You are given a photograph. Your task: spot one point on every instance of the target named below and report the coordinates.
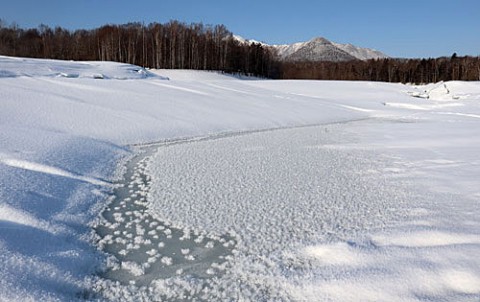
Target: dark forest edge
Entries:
(176, 45)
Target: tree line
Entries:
(418, 71)
(176, 45)
(172, 45)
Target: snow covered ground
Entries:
(365, 191)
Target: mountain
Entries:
(320, 49)
(317, 49)
(361, 53)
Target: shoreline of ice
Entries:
(142, 251)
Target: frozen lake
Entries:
(228, 215)
(293, 214)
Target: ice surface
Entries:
(143, 249)
(378, 196)
(277, 194)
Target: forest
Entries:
(173, 45)
(177, 45)
(418, 71)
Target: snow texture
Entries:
(302, 190)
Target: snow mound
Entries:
(26, 67)
(442, 91)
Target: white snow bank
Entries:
(26, 67)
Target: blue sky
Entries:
(403, 28)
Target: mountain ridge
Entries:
(319, 49)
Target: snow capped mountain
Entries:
(248, 41)
(361, 53)
(319, 49)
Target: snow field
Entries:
(383, 202)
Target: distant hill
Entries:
(320, 49)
